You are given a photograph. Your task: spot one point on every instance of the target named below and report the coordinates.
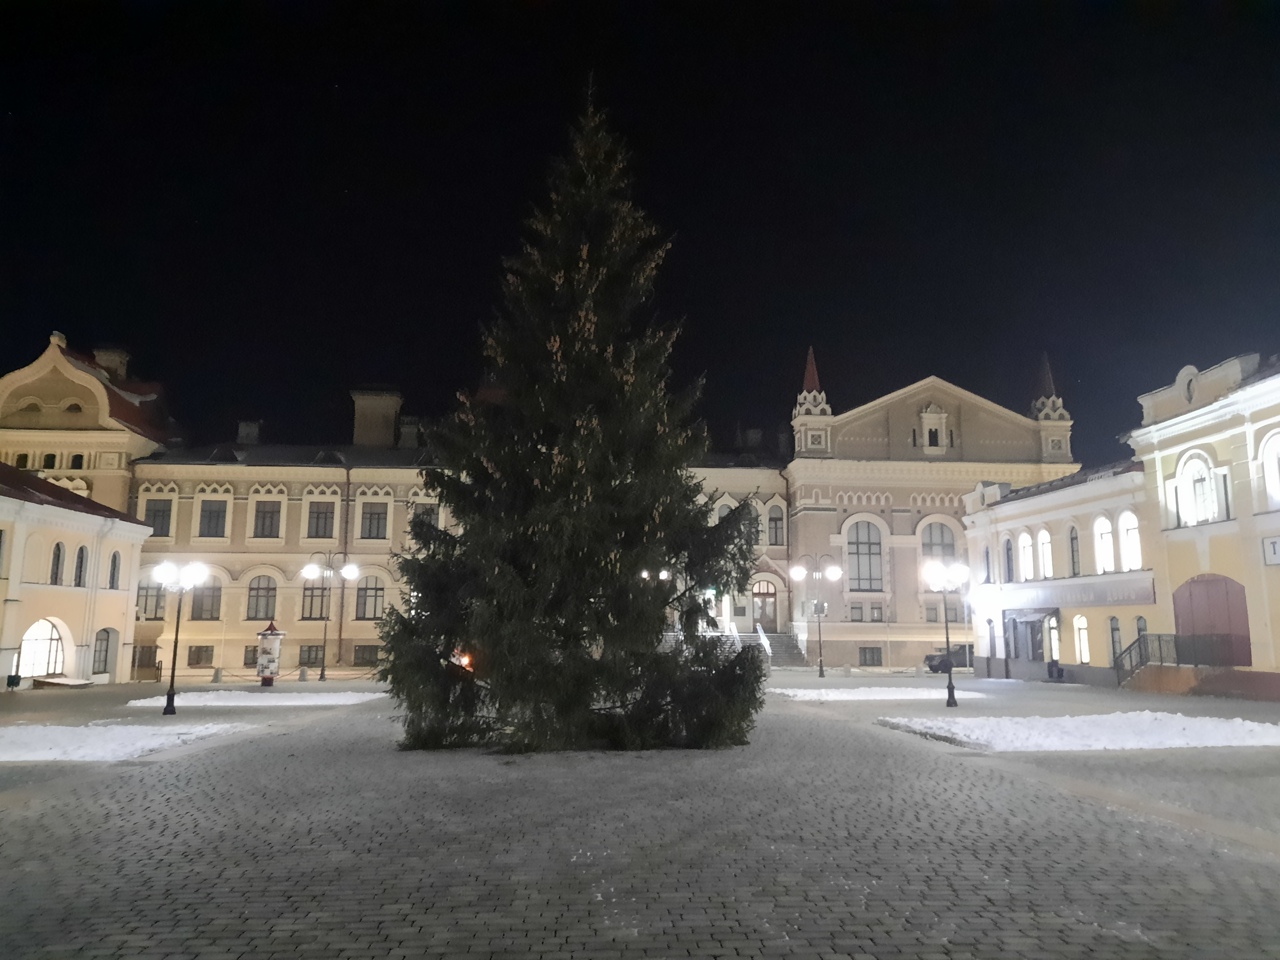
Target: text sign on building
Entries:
(1271, 551)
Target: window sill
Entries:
(271, 540)
(198, 539)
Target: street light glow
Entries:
(350, 571)
(311, 571)
(798, 572)
(832, 573)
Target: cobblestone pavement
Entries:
(828, 837)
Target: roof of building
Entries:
(30, 487)
(811, 374)
(1072, 480)
(293, 455)
(137, 404)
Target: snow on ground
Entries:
(26, 743)
(249, 698)
(873, 693)
(1143, 730)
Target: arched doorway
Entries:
(764, 606)
(41, 653)
(1213, 605)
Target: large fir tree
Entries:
(576, 578)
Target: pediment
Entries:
(930, 395)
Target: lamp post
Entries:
(945, 578)
(327, 564)
(809, 568)
(180, 579)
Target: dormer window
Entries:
(933, 428)
(933, 437)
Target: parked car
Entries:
(961, 656)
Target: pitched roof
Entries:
(137, 404)
(29, 487)
(294, 455)
(1072, 479)
(811, 374)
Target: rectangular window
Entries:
(366, 655)
(151, 601)
(855, 612)
(373, 521)
(144, 657)
(158, 515)
(877, 613)
(320, 520)
(251, 655)
(311, 655)
(206, 602)
(953, 611)
(739, 607)
(315, 603)
(866, 561)
(427, 511)
(101, 646)
(199, 656)
(931, 613)
(869, 657)
(213, 518)
(266, 519)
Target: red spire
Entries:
(811, 374)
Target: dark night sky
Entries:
(270, 203)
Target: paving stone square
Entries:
(312, 835)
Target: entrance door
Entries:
(1213, 604)
(764, 606)
(144, 664)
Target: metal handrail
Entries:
(1184, 650)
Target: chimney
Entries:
(248, 431)
(376, 413)
(410, 435)
(113, 360)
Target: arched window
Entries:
(1055, 638)
(1044, 546)
(1082, 639)
(77, 461)
(1141, 624)
(1073, 542)
(50, 461)
(753, 524)
(1269, 455)
(938, 541)
(1197, 496)
(206, 601)
(41, 652)
(1026, 557)
(113, 572)
(82, 561)
(866, 562)
(369, 599)
(986, 564)
(1008, 561)
(722, 512)
(1104, 548)
(262, 599)
(775, 526)
(1130, 544)
(1116, 644)
(55, 565)
(101, 650)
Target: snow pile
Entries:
(250, 698)
(1143, 730)
(25, 744)
(873, 693)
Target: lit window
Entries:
(1197, 497)
(1082, 639)
(1104, 548)
(1130, 544)
(1045, 546)
(1270, 458)
(1026, 557)
(1055, 639)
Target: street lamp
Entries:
(945, 578)
(180, 579)
(325, 564)
(807, 568)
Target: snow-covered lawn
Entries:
(26, 743)
(1143, 730)
(873, 693)
(249, 698)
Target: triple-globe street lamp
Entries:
(945, 578)
(180, 580)
(808, 567)
(328, 565)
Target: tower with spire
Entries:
(811, 418)
(1052, 416)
